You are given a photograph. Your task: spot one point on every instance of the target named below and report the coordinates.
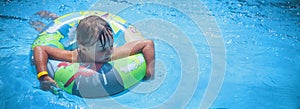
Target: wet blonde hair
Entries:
(92, 30)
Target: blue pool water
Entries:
(209, 54)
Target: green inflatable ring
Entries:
(78, 79)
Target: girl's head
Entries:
(95, 39)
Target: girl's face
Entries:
(104, 55)
(97, 53)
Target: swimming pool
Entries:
(210, 54)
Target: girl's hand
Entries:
(46, 82)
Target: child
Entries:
(95, 47)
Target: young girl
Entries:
(95, 47)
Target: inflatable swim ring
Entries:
(77, 78)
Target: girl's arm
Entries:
(42, 53)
